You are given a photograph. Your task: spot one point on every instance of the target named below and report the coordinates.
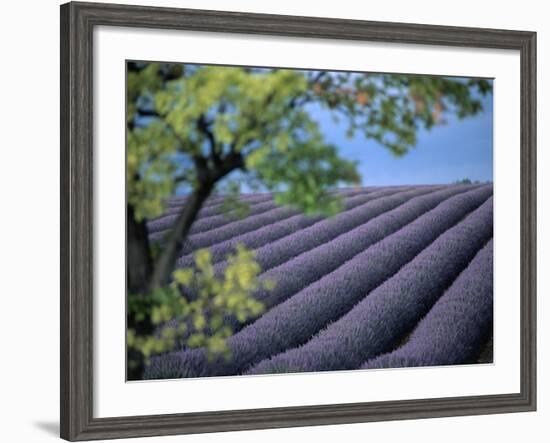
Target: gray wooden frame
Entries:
(77, 23)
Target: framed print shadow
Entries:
(272, 221)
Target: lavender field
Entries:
(403, 276)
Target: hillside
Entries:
(401, 277)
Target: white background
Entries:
(113, 397)
(30, 221)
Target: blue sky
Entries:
(459, 149)
(454, 151)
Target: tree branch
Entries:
(296, 102)
(204, 127)
(207, 178)
(147, 112)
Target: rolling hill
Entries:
(401, 277)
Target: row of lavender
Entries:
(351, 289)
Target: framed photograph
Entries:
(272, 221)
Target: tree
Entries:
(213, 298)
(196, 126)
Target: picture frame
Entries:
(78, 21)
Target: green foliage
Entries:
(150, 150)
(242, 106)
(233, 206)
(201, 316)
(466, 181)
(211, 111)
(150, 169)
(251, 113)
(390, 108)
(303, 175)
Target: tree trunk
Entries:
(143, 276)
(167, 260)
(144, 279)
(139, 265)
